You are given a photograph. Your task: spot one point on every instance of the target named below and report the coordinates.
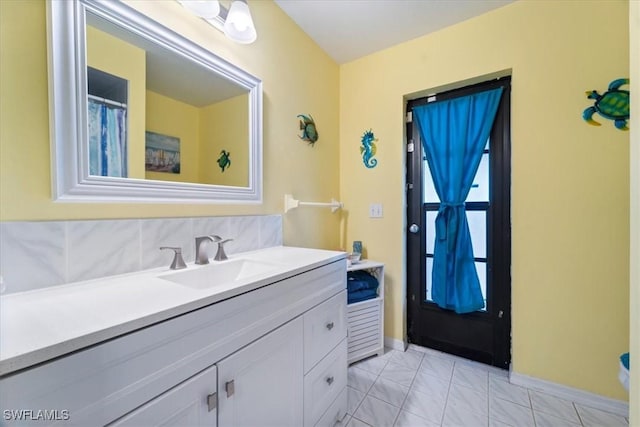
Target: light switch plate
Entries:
(375, 210)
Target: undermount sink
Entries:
(218, 274)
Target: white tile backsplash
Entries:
(245, 232)
(270, 231)
(102, 248)
(216, 225)
(173, 232)
(32, 255)
(36, 255)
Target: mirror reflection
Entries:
(153, 115)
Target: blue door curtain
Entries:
(454, 133)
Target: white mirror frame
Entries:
(71, 181)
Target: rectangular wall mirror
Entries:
(140, 113)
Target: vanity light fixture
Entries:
(235, 22)
(206, 9)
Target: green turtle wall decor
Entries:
(224, 161)
(612, 105)
(308, 128)
(368, 149)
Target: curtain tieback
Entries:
(447, 223)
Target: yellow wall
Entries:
(291, 86)
(113, 56)
(174, 118)
(224, 127)
(634, 300)
(570, 181)
(203, 132)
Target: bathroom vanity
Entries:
(257, 340)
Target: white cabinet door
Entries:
(186, 404)
(262, 384)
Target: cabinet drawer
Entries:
(335, 415)
(324, 383)
(324, 327)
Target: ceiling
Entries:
(350, 29)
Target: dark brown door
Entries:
(483, 335)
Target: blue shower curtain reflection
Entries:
(107, 140)
(454, 133)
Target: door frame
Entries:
(498, 269)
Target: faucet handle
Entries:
(178, 261)
(220, 254)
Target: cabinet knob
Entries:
(329, 380)
(330, 326)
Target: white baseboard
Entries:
(569, 393)
(395, 343)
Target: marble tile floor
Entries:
(425, 388)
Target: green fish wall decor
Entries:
(224, 161)
(612, 105)
(368, 149)
(308, 128)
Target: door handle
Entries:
(212, 402)
(230, 388)
(413, 228)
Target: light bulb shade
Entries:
(239, 25)
(207, 9)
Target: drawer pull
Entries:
(230, 388)
(330, 326)
(212, 402)
(329, 380)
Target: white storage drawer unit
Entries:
(365, 319)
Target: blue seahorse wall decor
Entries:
(612, 105)
(368, 149)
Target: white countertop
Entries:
(363, 264)
(39, 325)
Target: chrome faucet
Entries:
(201, 252)
(220, 254)
(178, 261)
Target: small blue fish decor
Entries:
(368, 149)
(612, 105)
(308, 128)
(224, 161)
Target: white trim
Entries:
(576, 395)
(395, 344)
